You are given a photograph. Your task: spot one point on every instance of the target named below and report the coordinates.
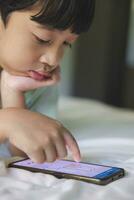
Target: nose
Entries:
(49, 68)
(50, 59)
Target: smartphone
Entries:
(92, 173)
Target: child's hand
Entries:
(40, 137)
(23, 83)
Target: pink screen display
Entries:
(64, 166)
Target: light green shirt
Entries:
(43, 100)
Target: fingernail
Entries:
(77, 159)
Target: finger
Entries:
(29, 83)
(38, 156)
(50, 152)
(72, 145)
(55, 78)
(48, 82)
(60, 148)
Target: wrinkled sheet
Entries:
(105, 135)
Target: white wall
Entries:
(67, 72)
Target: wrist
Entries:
(7, 83)
(10, 96)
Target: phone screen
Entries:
(71, 167)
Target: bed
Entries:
(105, 135)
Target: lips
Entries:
(38, 75)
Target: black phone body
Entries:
(89, 172)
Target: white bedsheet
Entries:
(105, 135)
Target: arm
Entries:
(40, 137)
(12, 95)
(11, 98)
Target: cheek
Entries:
(61, 54)
(18, 55)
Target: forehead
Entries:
(50, 30)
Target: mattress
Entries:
(105, 135)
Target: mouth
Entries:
(39, 76)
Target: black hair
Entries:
(58, 14)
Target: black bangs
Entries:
(58, 14)
(64, 14)
(9, 6)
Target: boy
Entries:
(33, 38)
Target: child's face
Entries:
(20, 50)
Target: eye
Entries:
(68, 44)
(41, 41)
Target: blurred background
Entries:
(100, 65)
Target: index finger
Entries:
(72, 145)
